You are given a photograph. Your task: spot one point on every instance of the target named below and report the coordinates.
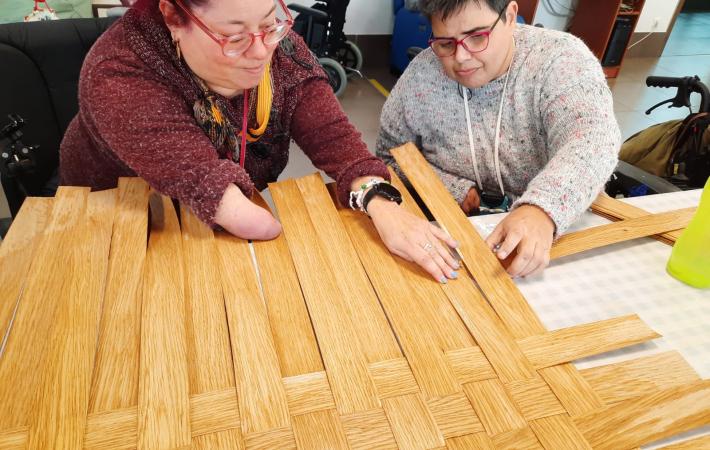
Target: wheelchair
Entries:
(321, 27)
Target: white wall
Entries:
(656, 9)
(653, 9)
(364, 16)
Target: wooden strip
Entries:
(534, 398)
(572, 343)
(210, 366)
(624, 230)
(476, 441)
(470, 364)
(497, 285)
(641, 376)
(262, 398)
(16, 252)
(454, 415)
(393, 378)
(295, 342)
(573, 390)
(115, 378)
(215, 411)
(369, 430)
(59, 418)
(116, 429)
(163, 395)
(647, 419)
(494, 407)
(14, 439)
(221, 439)
(415, 331)
(558, 431)
(614, 209)
(449, 330)
(319, 429)
(493, 337)
(519, 439)
(412, 424)
(378, 341)
(701, 443)
(26, 352)
(341, 349)
(209, 362)
(307, 393)
(280, 438)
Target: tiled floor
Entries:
(687, 53)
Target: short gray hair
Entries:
(447, 8)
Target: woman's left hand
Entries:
(414, 239)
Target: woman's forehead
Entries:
(238, 12)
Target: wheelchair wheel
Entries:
(336, 75)
(350, 57)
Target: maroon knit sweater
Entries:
(135, 119)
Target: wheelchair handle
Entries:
(685, 86)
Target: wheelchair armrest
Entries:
(412, 52)
(654, 182)
(317, 14)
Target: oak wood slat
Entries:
(308, 393)
(16, 252)
(263, 407)
(46, 288)
(624, 230)
(485, 267)
(294, 338)
(369, 430)
(210, 366)
(572, 389)
(475, 441)
(558, 431)
(518, 439)
(640, 376)
(378, 341)
(59, 418)
(320, 430)
(454, 415)
(534, 398)
(412, 424)
(701, 443)
(614, 209)
(646, 419)
(416, 333)
(568, 344)
(163, 391)
(115, 379)
(341, 348)
(494, 407)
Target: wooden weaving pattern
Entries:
(176, 336)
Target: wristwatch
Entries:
(384, 190)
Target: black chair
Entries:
(40, 64)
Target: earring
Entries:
(177, 48)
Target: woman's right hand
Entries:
(244, 219)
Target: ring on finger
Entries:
(496, 247)
(427, 246)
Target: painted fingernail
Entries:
(454, 275)
(456, 244)
(502, 255)
(443, 280)
(456, 266)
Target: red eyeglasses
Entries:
(473, 42)
(237, 44)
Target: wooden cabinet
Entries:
(527, 9)
(595, 22)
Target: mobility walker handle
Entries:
(685, 86)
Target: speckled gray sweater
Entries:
(559, 137)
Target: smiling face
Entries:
(226, 75)
(474, 70)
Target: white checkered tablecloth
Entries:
(625, 278)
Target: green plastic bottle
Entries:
(690, 258)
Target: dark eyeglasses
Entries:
(237, 44)
(473, 42)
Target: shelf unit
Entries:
(527, 9)
(594, 22)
